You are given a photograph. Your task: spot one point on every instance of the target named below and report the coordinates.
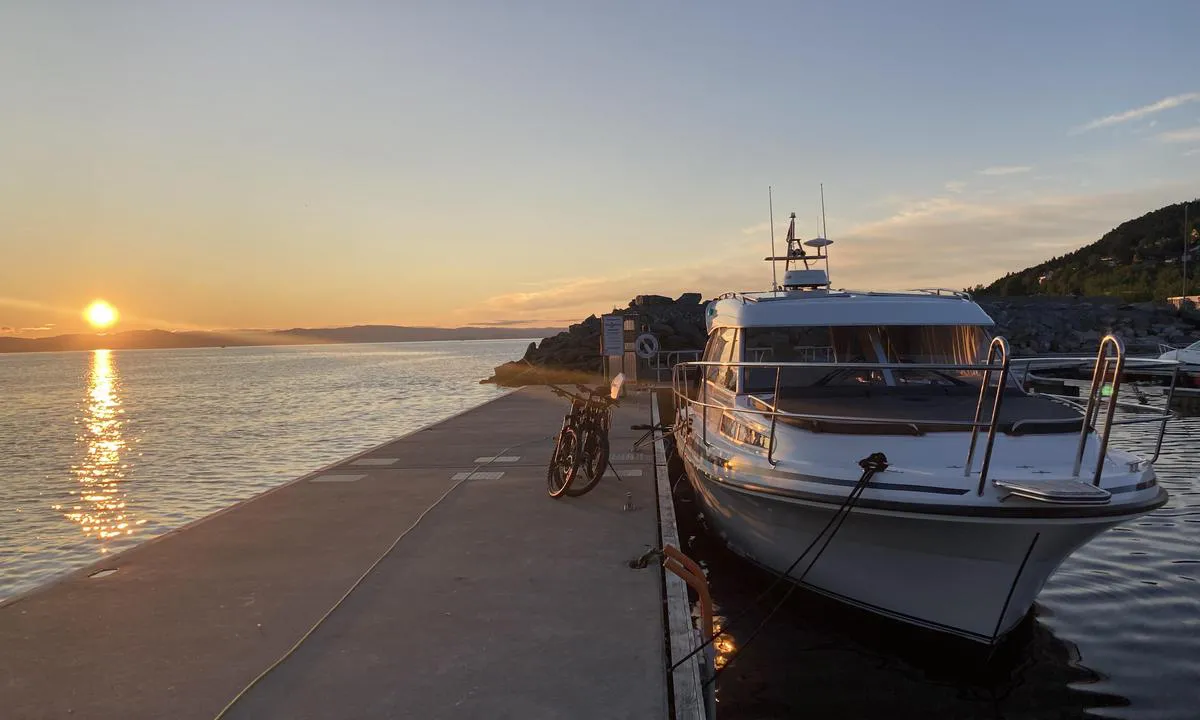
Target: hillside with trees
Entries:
(1139, 260)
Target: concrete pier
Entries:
(496, 601)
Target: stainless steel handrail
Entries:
(683, 369)
(1161, 418)
(1104, 363)
(1099, 375)
(665, 360)
(1162, 429)
(1000, 344)
(842, 365)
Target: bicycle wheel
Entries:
(564, 463)
(593, 463)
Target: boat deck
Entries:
(499, 602)
(921, 410)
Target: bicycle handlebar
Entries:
(593, 396)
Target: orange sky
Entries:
(218, 166)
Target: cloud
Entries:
(956, 186)
(1193, 151)
(764, 227)
(951, 241)
(1184, 135)
(1006, 170)
(1165, 104)
(502, 323)
(6, 329)
(40, 328)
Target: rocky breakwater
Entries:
(574, 355)
(1033, 325)
(1043, 324)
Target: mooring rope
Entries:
(873, 463)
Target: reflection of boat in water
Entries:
(985, 491)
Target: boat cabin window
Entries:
(723, 347)
(825, 346)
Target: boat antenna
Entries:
(771, 211)
(824, 231)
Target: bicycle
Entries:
(583, 440)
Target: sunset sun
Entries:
(100, 315)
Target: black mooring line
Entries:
(1013, 587)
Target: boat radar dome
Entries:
(805, 279)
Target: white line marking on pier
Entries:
(498, 458)
(477, 475)
(376, 461)
(631, 472)
(337, 478)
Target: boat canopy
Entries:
(845, 309)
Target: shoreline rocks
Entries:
(1033, 325)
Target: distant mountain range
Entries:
(147, 339)
(1140, 259)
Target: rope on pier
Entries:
(283, 658)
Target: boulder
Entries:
(644, 300)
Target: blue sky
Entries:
(277, 164)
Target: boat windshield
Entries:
(916, 344)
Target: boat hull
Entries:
(970, 576)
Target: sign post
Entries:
(612, 342)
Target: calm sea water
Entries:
(102, 450)
(1116, 631)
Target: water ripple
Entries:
(102, 450)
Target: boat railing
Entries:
(1109, 367)
(663, 361)
(744, 296)
(1109, 362)
(944, 292)
(997, 350)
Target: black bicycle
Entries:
(582, 442)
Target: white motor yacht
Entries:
(983, 489)
(1189, 355)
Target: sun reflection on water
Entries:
(98, 504)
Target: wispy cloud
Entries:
(1184, 135)
(504, 323)
(1193, 151)
(40, 328)
(948, 241)
(1006, 170)
(6, 329)
(963, 242)
(1140, 112)
(764, 227)
(956, 186)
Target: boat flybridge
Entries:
(960, 493)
